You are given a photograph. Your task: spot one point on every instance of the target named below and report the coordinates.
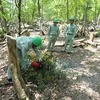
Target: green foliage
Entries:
(47, 73)
(97, 34)
(1, 33)
(50, 9)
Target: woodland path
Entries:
(82, 68)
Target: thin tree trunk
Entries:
(42, 10)
(33, 10)
(76, 8)
(85, 18)
(18, 5)
(67, 4)
(3, 19)
(95, 13)
(39, 15)
(19, 15)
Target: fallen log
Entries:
(25, 32)
(82, 42)
(78, 45)
(79, 40)
(90, 43)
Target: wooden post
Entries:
(22, 91)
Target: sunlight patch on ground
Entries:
(90, 48)
(74, 73)
(84, 87)
(95, 59)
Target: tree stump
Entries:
(22, 91)
(91, 36)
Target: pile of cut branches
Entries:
(45, 74)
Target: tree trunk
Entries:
(19, 15)
(95, 13)
(3, 19)
(22, 91)
(76, 9)
(42, 10)
(33, 14)
(85, 18)
(67, 4)
(39, 15)
(18, 5)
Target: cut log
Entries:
(79, 40)
(25, 32)
(78, 45)
(90, 43)
(22, 91)
(82, 42)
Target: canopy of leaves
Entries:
(51, 9)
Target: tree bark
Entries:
(22, 91)
(42, 10)
(39, 15)
(76, 10)
(67, 4)
(18, 5)
(3, 19)
(85, 17)
(95, 13)
(33, 14)
(19, 15)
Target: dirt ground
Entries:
(82, 69)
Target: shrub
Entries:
(47, 73)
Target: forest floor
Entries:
(82, 69)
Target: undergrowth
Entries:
(46, 74)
